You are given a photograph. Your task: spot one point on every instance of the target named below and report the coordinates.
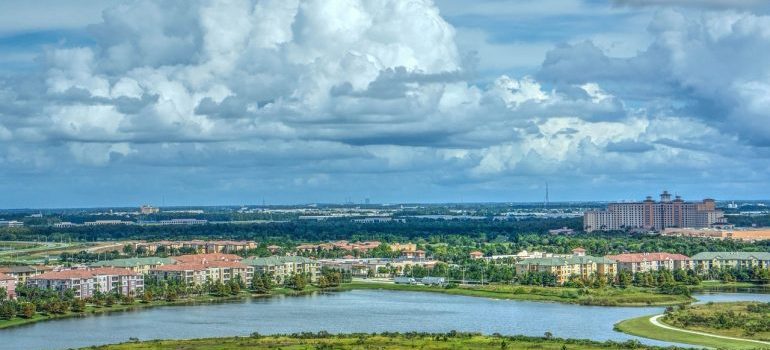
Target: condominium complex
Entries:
(282, 267)
(21, 273)
(583, 266)
(706, 261)
(645, 262)
(652, 215)
(199, 268)
(197, 246)
(85, 282)
(138, 265)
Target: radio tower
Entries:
(545, 204)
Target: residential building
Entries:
(651, 215)
(723, 232)
(198, 246)
(476, 254)
(344, 245)
(21, 273)
(107, 222)
(8, 283)
(138, 265)
(397, 247)
(645, 262)
(582, 266)
(413, 254)
(85, 282)
(148, 209)
(283, 267)
(11, 223)
(377, 267)
(706, 261)
(206, 258)
(188, 273)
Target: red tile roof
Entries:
(206, 258)
(181, 267)
(640, 257)
(4, 277)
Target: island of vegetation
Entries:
(389, 341)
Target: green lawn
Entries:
(641, 326)
(735, 319)
(363, 341)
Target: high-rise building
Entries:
(651, 215)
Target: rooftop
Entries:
(134, 262)
(558, 261)
(732, 255)
(276, 260)
(639, 257)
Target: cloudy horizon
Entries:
(214, 102)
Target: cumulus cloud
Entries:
(327, 96)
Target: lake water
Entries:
(346, 312)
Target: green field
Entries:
(365, 341)
(641, 326)
(605, 297)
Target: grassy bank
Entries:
(604, 297)
(641, 326)
(382, 341)
(726, 286)
(750, 320)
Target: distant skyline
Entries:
(118, 103)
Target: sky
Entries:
(211, 102)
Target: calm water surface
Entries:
(354, 311)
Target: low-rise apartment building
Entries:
(8, 283)
(85, 282)
(378, 267)
(21, 273)
(706, 261)
(582, 266)
(138, 265)
(644, 262)
(189, 274)
(198, 246)
(199, 268)
(282, 267)
(206, 258)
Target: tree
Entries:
(297, 281)
(7, 310)
(3, 294)
(27, 310)
(78, 305)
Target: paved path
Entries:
(656, 321)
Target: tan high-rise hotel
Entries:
(651, 215)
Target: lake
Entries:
(345, 312)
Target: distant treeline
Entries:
(300, 230)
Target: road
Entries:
(656, 321)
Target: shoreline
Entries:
(504, 292)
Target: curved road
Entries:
(655, 320)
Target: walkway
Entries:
(655, 320)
